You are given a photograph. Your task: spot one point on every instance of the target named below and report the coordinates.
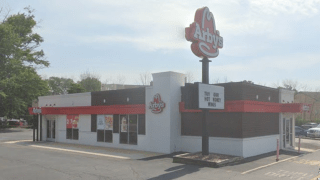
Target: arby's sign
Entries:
(206, 40)
(157, 104)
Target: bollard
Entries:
(299, 144)
(277, 150)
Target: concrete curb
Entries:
(181, 159)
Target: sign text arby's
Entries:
(157, 104)
(206, 40)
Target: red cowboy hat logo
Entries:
(157, 104)
(206, 40)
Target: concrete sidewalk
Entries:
(86, 149)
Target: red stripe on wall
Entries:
(230, 106)
(114, 109)
(253, 106)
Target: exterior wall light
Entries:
(257, 96)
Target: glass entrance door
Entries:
(287, 132)
(51, 130)
(128, 129)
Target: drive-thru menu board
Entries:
(211, 96)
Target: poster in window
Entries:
(109, 122)
(69, 121)
(124, 125)
(75, 121)
(72, 121)
(100, 122)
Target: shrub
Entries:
(300, 121)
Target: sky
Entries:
(265, 42)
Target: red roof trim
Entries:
(113, 109)
(253, 106)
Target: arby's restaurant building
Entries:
(155, 118)
(243, 119)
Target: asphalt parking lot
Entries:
(22, 158)
(309, 143)
(14, 134)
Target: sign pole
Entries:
(38, 117)
(205, 80)
(34, 128)
(206, 42)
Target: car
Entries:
(299, 131)
(13, 122)
(309, 125)
(314, 132)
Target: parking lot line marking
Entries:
(82, 152)
(316, 178)
(260, 167)
(13, 142)
(305, 149)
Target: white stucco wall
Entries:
(233, 146)
(259, 145)
(286, 96)
(67, 100)
(177, 80)
(163, 130)
(87, 137)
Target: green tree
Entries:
(59, 85)
(90, 82)
(19, 58)
(75, 88)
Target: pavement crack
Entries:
(134, 172)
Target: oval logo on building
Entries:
(206, 40)
(157, 104)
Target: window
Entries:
(141, 124)
(72, 127)
(108, 136)
(93, 123)
(75, 134)
(128, 129)
(104, 128)
(100, 135)
(116, 123)
(123, 129)
(69, 133)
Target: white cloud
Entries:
(292, 62)
(160, 25)
(300, 66)
(276, 7)
(150, 43)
